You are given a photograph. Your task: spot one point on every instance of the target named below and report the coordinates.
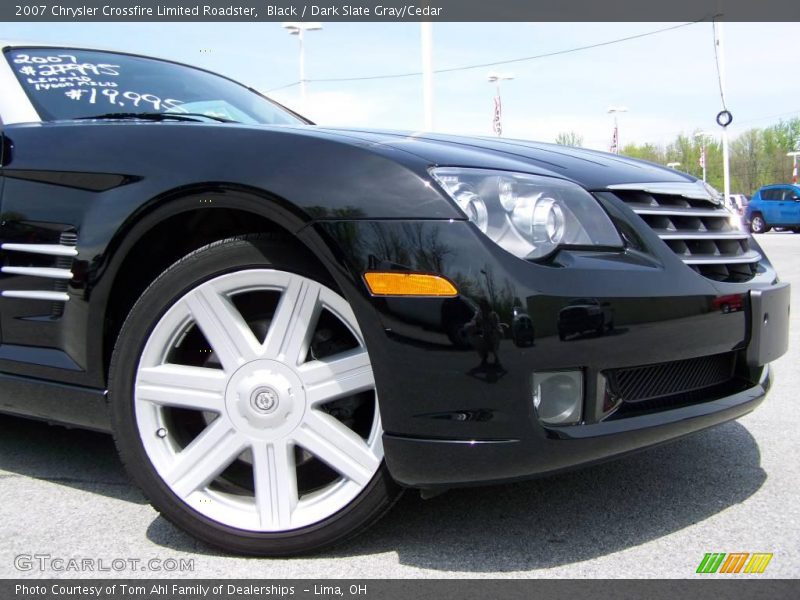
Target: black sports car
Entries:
(269, 315)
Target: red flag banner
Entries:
(614, 149)
(497, 124)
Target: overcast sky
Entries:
(668, 81)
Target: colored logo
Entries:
(735, 562)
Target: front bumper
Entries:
(432, 463)
(451, 419)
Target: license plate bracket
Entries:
(769, 324)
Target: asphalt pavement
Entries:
(734, 488)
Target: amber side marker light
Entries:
(408, 284)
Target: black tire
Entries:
(226, 256)
(758, 224)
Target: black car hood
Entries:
(592, 169)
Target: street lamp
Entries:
(426, 38)
(614, 110)
(673, 165)
(299, 29)
(496, 78)
(703, 136)
(794, 154)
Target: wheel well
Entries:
(165, 243)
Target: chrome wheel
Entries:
(255, 402)
(758, 225)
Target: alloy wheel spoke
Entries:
(294, 321)
(227, 394)
(182, 386)
(337, 376)
(337, 445)
(275, 481)
(206, 457)
(223, 326)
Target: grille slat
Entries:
(696, 228)
(700, 234)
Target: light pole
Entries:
(673, 165)
(703, 136)
(794, 154)
(299, 29)
(426, 37)
(496, 78)
(615, 110)
(726, 157)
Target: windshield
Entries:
(73, 84)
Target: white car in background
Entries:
(738, 202)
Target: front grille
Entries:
(667, 385)
(636, 384)
(697, 229)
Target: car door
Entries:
(783, 204)
(770, 207)
(790, 206)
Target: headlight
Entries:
(528, 215)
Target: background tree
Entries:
(758, 156)
(569, 138)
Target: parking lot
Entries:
(63, 493)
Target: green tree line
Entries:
(758, 156)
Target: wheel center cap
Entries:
(264, 400)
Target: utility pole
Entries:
(724, 118)
(426, 35)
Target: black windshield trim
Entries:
(156, 116)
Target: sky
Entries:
(667, 81)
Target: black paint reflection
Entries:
(584, 315)
(522, 330)
(484, 332)
(728, 304)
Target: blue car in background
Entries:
(774, 206)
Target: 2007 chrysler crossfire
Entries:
(284, 325)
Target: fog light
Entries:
(558, 397)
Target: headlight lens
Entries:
(528, 215)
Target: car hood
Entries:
(592, 169)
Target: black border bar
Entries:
(399, 10)
(730, 588)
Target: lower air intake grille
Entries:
(664, 385)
